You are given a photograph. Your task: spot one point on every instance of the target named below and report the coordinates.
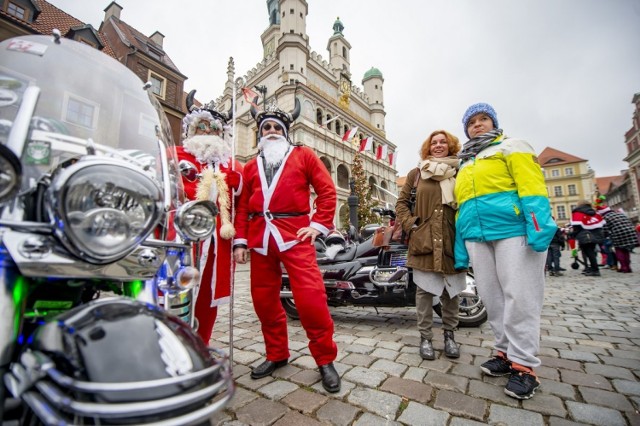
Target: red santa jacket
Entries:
(216, 256)
(289, 193)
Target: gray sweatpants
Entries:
(510, 280)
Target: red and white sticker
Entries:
(25, 46)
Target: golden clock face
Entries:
(345, 87)
(269, 47)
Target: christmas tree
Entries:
(364, 193)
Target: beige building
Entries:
(332, 103)
(569, 179)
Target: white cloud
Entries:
(559, 73)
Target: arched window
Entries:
(326, 163)
(327, 121)
(344, 52)
(345, 129)
(372, 185)
(338, 127)
(343, 216)
(319, 116)
(383, 195)
(343, 176)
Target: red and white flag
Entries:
(393, 157)
(249, 96)
(350, 134)
(381, 152)
(366, 144)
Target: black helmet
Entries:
(119, 361)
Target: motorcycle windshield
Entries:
(70, 100)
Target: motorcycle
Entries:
(90, 202)
(356, 273)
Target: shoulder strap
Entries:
(415, 181)
(414, 189)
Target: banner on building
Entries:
(381, 152)
(350, 134)
(366, 144)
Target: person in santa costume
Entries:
(275, 221)
(209, 172)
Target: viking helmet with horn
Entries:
(272, 112)
(207, 112)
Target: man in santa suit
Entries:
(274, 220)
(210, 173)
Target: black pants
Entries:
(589, 253)
(553, 258)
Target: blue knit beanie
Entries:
(477, 109)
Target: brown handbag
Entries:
(385, 235)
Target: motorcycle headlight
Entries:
(195, 220)
(103, 209)
(10, 173)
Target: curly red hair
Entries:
(452, 142)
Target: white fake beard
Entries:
(274, 148)
(209, 148)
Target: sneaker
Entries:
(561, 269)
(522, 384)
(497, 366)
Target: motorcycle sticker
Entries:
(25, 46)
(38, 153)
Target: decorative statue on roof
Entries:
(337, 27)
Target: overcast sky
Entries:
(560, 73)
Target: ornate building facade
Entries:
(569, 179)
(332, 104)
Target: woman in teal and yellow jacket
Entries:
(504, 226)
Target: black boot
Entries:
(330, 378)
(451, 349)
(266, 368)
(426, 350)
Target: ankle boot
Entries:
(451, 349)
(426, 350)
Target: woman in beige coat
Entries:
(432, 234)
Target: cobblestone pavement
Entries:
(590, 369)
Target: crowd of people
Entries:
(482, 205)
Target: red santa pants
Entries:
(205, 314)
(308, 292)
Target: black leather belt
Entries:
(270, 215)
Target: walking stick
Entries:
(233, 213)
